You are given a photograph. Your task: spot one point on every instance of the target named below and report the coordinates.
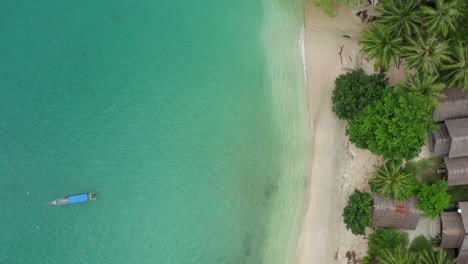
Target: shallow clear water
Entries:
(188, 119)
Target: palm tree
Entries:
(399, 255)
(401, 17)
(425, 54)
(443, 18)
(433, 257)
(425, 85)
(457, 67)
(391, 181)
(381, 45)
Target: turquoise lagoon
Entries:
(188, 118)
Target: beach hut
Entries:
(455, 105)
(439, 140)
(458, 131)
(452, 230)
(454, 235)
(456, 170)
(398, 214)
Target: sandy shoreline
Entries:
(337, 166)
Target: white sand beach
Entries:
(337, 166)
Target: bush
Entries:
(383, 239)
(356, 90)
(433, 199)
(420, 244)
(357, 214)
(394, 127)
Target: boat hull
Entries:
(78, 198)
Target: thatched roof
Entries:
(439, 140)
(398, 214)
(455, 105)
(458, 130)
(457, 171)
(453, 231)
(463, 252)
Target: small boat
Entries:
(77, 198)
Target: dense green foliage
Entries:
(430, 35)
(381, 46)
(385, 239)
(425, 85)
(420, 244)
(402, 17)
(394, 127)
(356, 90)
(435, 257)
(433, 199)
(391, 181)
(357, 214)
(399, 255)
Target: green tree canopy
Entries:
(456, 67)
(356, 90)
(391, 181)
(400, 17)
(386, 239)
(329, 6)
(425, 53)
(394, 127)
(442, 19)
(399, 255)
(435, 257)
(433, 199)
(357, 214)
(425, 85)
(381, 45)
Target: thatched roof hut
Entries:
(458, 131)
(455, 105)
(439, 140)
(457, 170)
(398, 214)
(453, 232)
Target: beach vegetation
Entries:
(355, 90)
(439, 257)
(433, 199)
(357, 214)
(456, 67)
(425, 85)
(399, 255)
(426, 53)
(391, 181)
(381, 45)
(385, 239)
(401, 17)
(420, 244)
(443, 18)
(394, 127)
(458, 193)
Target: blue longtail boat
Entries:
(77, 198)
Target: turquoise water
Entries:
(188, 119)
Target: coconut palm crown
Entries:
(391, 181)
(425, 85)
(381, 46)
(443, 18)
(401, 17)
(456, 67)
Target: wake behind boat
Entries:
(78, 198)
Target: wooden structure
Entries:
(439, 140)
(398, 214)
(454, 234)
(454, 106)
(458, 131)
(457, 171)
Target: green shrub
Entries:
(357, 214)
(419, 244)
(388, 238)
(356, 90)
(433, 199)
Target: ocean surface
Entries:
(188, 118)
